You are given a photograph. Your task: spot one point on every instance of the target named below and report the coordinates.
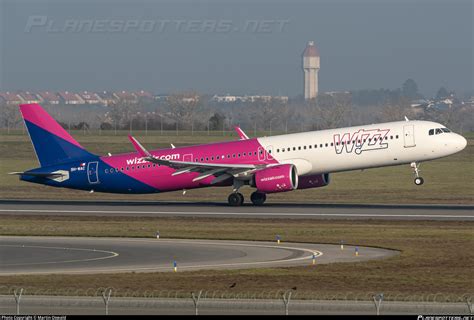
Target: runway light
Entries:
(342, 244)
(157, 234)
(175, 266)
(278, 239)
(356, 251)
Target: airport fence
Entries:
(109, 300)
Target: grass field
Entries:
(435, 258)
(447, 180)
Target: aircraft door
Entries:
(269, 152)
(261, 154)
(188, 157)
(92, 172)
(409, 136)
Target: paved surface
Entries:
(39, 255)
(282, 210)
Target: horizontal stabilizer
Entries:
(39, 174)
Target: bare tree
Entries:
(121, 113)
(327, 111)
(182, 107)
(396, 111)
(9, 116)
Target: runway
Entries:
(278, 210)
(79, 255)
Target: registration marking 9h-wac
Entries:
(361, 140)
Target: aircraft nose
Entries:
(462, 142)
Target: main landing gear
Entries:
(418, 180)
(258, 198)
(236, 199)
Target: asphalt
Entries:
(79, 255)
(272, 210)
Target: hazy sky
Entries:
(230, 46)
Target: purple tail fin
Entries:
(52, 144)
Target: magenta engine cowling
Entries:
(313, 181)
(276, 179)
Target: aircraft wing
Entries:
(223, 171)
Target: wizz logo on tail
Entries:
(361, 140)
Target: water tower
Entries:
(311, 69)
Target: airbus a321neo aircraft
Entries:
(270, 164)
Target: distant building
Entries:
(11, 98)
(142, 94)
(107, 98)
(225, 98)
(160, 97)
(310, 69)
(90, 97)
(49, 97)
(254, 98)
(67, 97)
(126, 96)
(29, 97)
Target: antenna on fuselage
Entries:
(172, 146)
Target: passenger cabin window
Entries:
(431, 132)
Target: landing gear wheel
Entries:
(258, 198)
(419, 181)
(235, 199)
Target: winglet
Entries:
(406, 118)
(140, 149)
(241, 133)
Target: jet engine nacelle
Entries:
(279, 178)
(313, 181)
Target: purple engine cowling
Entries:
(313, 181)
(276, 179)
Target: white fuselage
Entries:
(369, 146)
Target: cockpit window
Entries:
(438, 131)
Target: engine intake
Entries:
(313, 181)
(279, 178)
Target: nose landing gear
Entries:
(418, 180)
